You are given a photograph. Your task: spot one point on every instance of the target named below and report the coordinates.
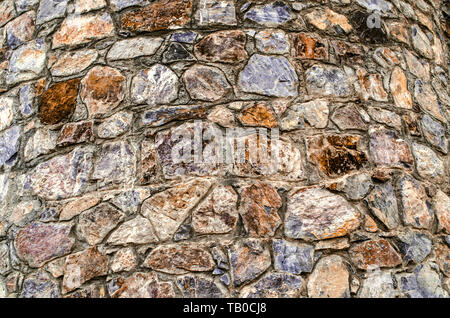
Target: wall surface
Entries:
(220, 148)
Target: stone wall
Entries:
(353, 94)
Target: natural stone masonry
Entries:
(139, 143)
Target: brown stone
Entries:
(7, 11)
(336, 155)
(259, 114)
(442, 205)
(330, 278)
(398, 32)
(179, 259)
(159, 15)
(123, 260)
(102, 89)
(371, 86)
(348, 117)
(222, 46)
(75, 207)
(259, 210)
(348, 52)
(58, 102)
(374, 254)
(71, 63)
(205, 83)
(310, 46)
(329, 21)
(387, 149)
(149, 168)
(399, 89)
(144, 285)
(415, 204)
(75, 133)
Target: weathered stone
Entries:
(94, 224)
(416, 208)
(292, 257)
(136, 231)
(83, 266)
(357, 186)
(269, 75)
(348, 117)
(130, 200)
(176, 52)
(7, 11)
(198, 287)
(20, 30)
(76, 206)
(327, 81)
(371, 86)
(159, 15)
(441, 203)
(82, 6)
(386, 57)
(222, 46)
(443, 258)
(329, 21)
(6, 112)
(27, 94)
(102, 89)
(340, 243)
(305, 217)
(421, 42)
(420, 68)
(180, 258)
(206, 83)
(156, 85)
(374, 254)
(9, 144)
(80, 29)
(434, 132)
(71, 63)
(58, 102)
(184, 37)
(336, 155)
(271, 14)
(75, 133)
(383, 204)
(398, 32)
(123, 260)
(386, 117)
(115, 125)
(216, 12)
(377, 284)
(259, 114)
(23, 212)
(309, 46)
(24, 5)
(427, 99)
(116, 164)
(249, 258)
(90, 291)
(272, 42)
(27, 62)
(382, 7)
(387, 149)
(424, 282)
(168, 209)
(274, 285)
(222, 116)
(50, 10)
(163, 115)
(39, 243)
(414, 246)
(144, 285)
(315, 113)
(5, 267)
(39, 285)
(217, 213)
(259, 210)
(330, 279)
(135, 47)
(399, 89)
(428, 164)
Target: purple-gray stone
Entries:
(9, 143)
(271, 14)
(293, 258)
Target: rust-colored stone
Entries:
(160, 15)
(222, 46)
(74, 133)
(309, 46)
(259, 114)
(58, 102)
(348, 52)
(374, 254)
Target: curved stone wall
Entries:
(220, 148)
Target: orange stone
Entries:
(309, 46)
(58, 102)
(259, 114)
(399, 89)
(375, 253)
(160, 15)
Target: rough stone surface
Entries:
(441, 203)
(132, 48)
(292, 258)
(428, 164)
(222, 46)
(136, 231)
(271, 14)
(274, 285)
(314, 113)
(327, 81)
(387, 149)
(206, 83)
(374, 254)
(144, 285)
(72, 63)
(383, 204)
(39, 285)
(330, 279)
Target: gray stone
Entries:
(293, 258)
(216, 12)
(206, 83)
(115, 125)
(25, 5)
(428, 163)
(39, 285)
(269, 75)
(9, 144)
(51, 9)
(315, 113)
(42, 142)
(382, 7)
(26, 98)
(177, 52)
(274, 285)
(421, 42)
(383, 204)
(328, 81)
(424, 282)
(184, 37)
(357, 186)
(135, 231)
(6, 112)
(118, 5)
(378, 284)
(271, 14)
(135, 47)
(5, 266)
(272, 42)
(434, 132)
(27, 62)
(427, 99)
(414, 246)
(198, 287)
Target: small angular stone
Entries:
(198, 287)
(309, 46)
(305, 219)
(222, 116)
(383, 204)
(123, 260)
(135, 47)
(76, 206)
(58, 102)
(348, 52)
(434, 132)
(386, 57)
(5, 267)
(371, 86)
(329, 21)
(20, 30)
(217, 213)
(184, 37)
(415, 205)
(315, 113)
(7, 11)
(441, 203)
(82, 6)
(378, 284)
(39, 243)
(9, 144)
(80, 29)
(205, 83)
(386, 117)
(292, 257)
(357, 186)
(387, 149)
(163, 115)
(330, 279)
(414, 246)
(50, 10)
(144, 285)
(155, 85)
(71, 63)
(130, 200)
(135, 231)
(259, 114)
(348, 117)
(428, 164)
(39, 285)
(274, 285)
(159, 15)
(177, 52)
(118, 5)
(398, 32)
(269, 75)
(222, 46)
(272, 42)
(115, 125)
(216, 12)
(374, 254)
(399, 89)
(271, 14)
(6, 112)
(421, 42)
(427, 99)
(420, 68)
(340, 243)
(27, 62)
(27, 95)
(75, 133)
(327, 81)
(249, 258)
(82, 267)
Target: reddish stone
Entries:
(75, 133)
(371, 86)
(259, 114)
(58, 102)
(310, 46)
(159, 15)
(144, 285)
(374, 253)
(259, 210)
(222, 46)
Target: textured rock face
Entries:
(224, 149)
